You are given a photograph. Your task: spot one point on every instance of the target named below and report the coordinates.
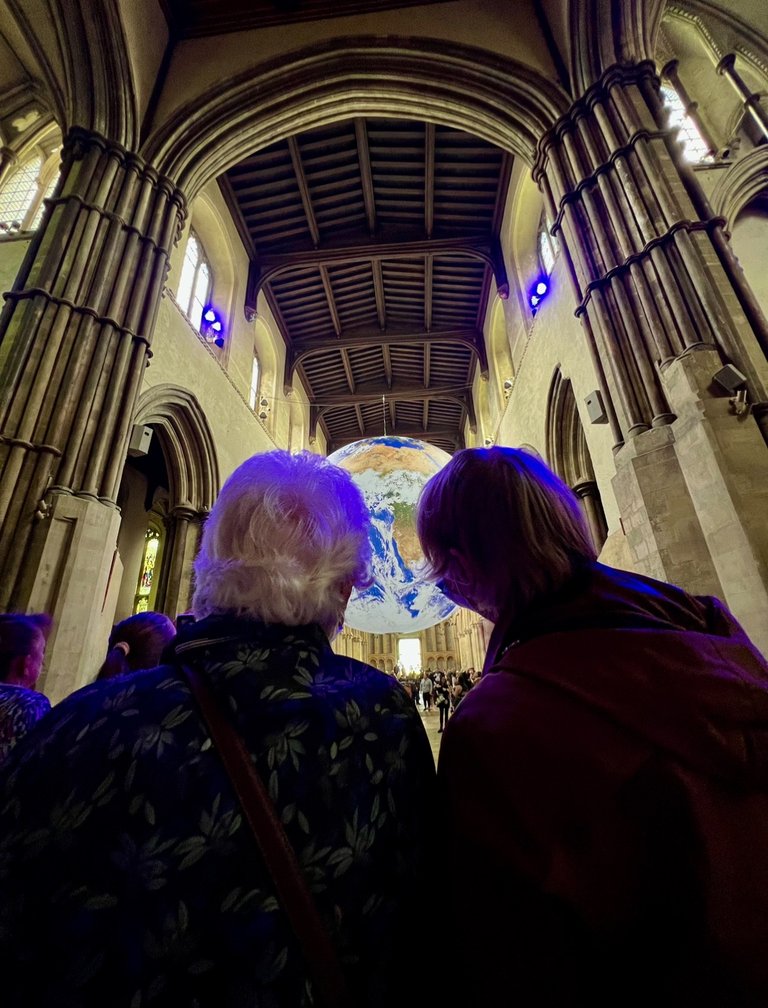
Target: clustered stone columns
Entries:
(183, 529)
(752, 104)
(643, 249)
(664, 306)
(75, 340)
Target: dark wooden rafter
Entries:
(387, 365)
(378, 290)
(429, 179)
(449, 434)
(348, 370)
(366, 178)
(375, 244)
(305, 349)
(327, 287)
(306, 197)
(428, 273)
(481, 247)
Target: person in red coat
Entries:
(605, 782)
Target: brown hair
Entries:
(18, 632)
(518, 528)
(136, 643)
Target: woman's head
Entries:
(136, 643)
(23, 638)
(499, 529)
(285, 542)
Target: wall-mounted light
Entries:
(211, 328)
(538, 292)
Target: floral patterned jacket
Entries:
(128, 876)
(20, 708)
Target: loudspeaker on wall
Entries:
(141, 438)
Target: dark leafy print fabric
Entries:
(19, 709)
(128, 876)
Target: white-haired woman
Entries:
(605, 782)
(143, 884)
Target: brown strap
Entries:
(292, 890)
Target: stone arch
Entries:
(498, 99)
(598, 38)
(187, 444)
(568, 454)
(742, 183)
(78, 74)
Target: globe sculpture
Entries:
(391, 471)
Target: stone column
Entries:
(652, 272)
(589, 495)
(660, 295)
(182, 538)
(75, 335)
(691, 107)
(8, 161)
(727, 67)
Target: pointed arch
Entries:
(742, 183)
(88, 84)
(603, 34)
(569, 457)
(566, 444)
(187, 443)
(500, 100)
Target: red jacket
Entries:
(605, 787)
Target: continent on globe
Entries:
(391, 471)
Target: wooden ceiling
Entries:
(375, 242)
(202, 18)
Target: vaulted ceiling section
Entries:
(376, 244)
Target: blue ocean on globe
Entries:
(391, 471)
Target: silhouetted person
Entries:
(136, 642)
(22, 649)
(606, 780)
(128, 874)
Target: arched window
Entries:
(253, 394)
(695, 147)
(17, 196)
(196, 281)
(35, 224)
(547, 247)
(147, 587)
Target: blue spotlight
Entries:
(538, 292)
(211, 328)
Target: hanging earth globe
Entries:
(391, 471)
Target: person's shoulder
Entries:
(21, 699)
(97, 710)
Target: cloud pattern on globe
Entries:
(391, 471)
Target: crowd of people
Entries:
(436, 690)
(230, 814)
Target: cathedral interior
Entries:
(232, 227)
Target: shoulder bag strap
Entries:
(292, 890)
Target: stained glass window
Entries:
(694, 146)
(195, 285)
(147, 572)
(17, 195)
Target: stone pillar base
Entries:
(694, 497)
(75, 578)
